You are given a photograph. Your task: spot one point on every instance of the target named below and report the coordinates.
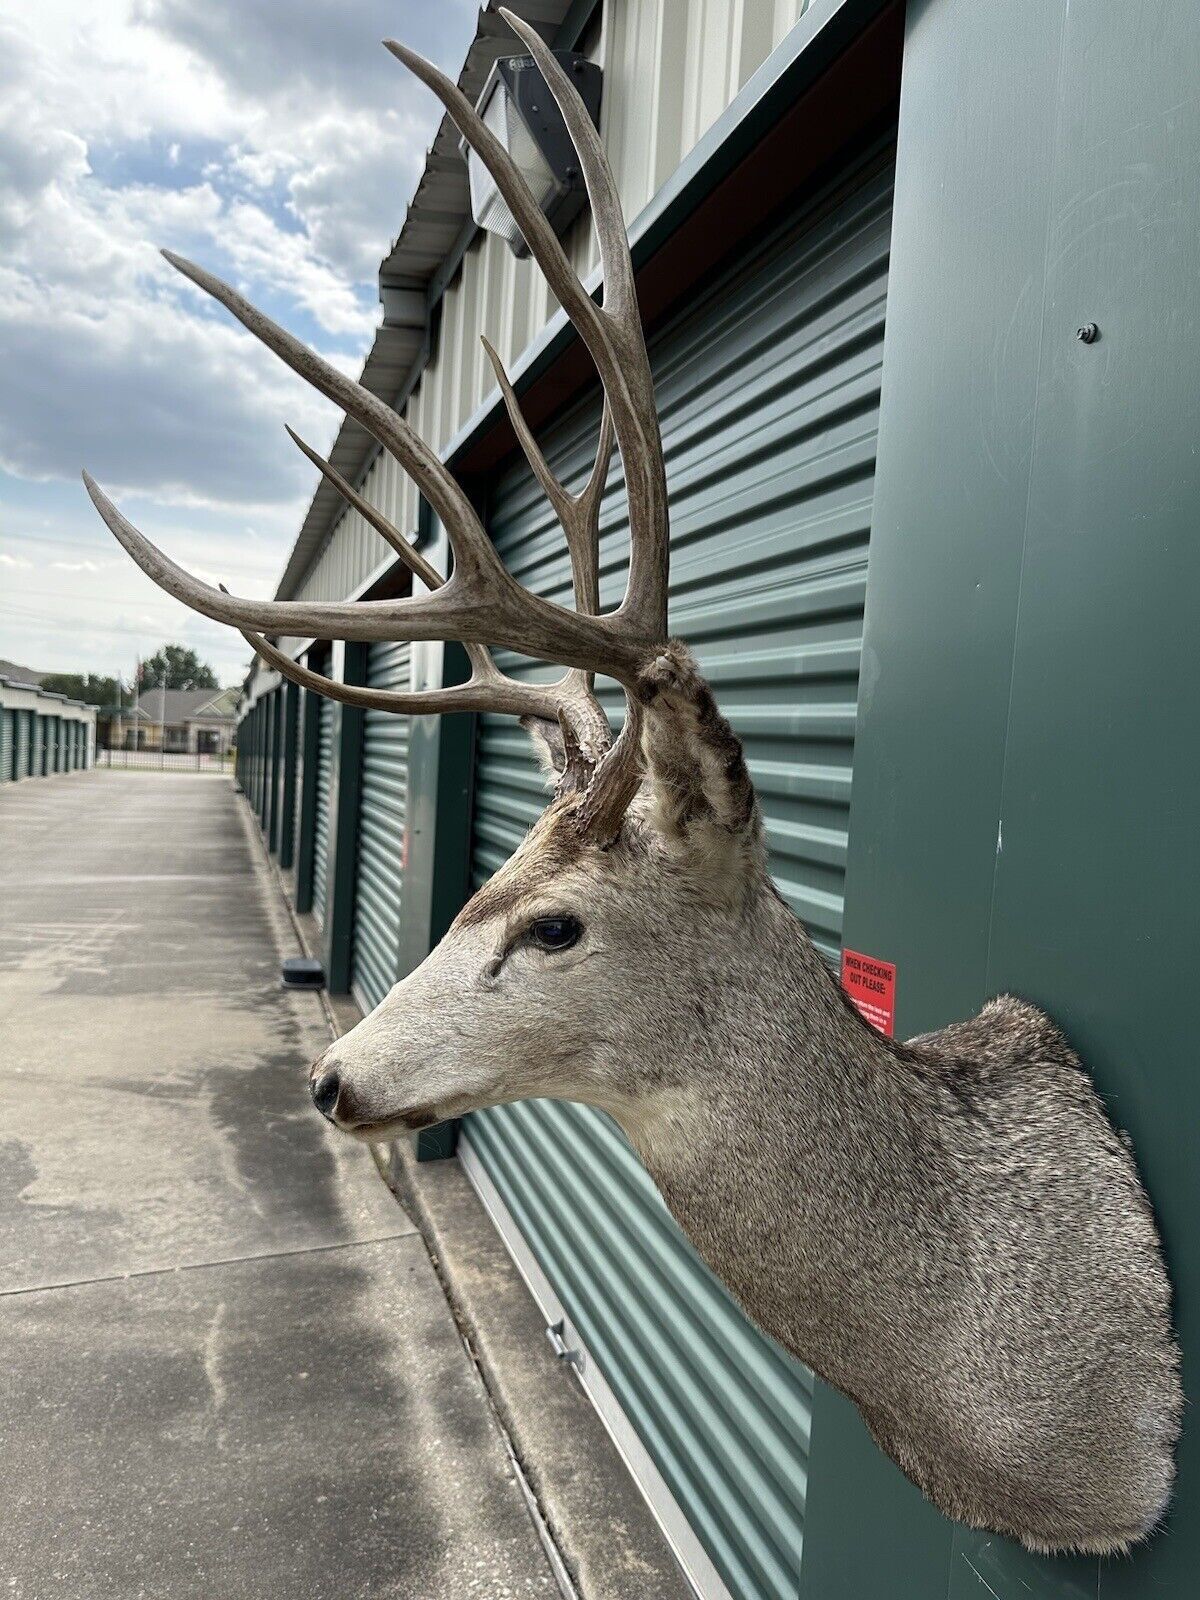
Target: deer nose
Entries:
(325, 1090)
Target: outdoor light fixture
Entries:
(519, 109)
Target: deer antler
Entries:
(480, 604)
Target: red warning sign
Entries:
(871, 984)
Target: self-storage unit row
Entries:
(931, 547)
(42, 733)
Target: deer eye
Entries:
(555, 933)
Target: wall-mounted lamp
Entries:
(520, 110)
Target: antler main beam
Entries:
(480, 604)
(462, 610)
(612, 332)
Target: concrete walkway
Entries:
(228, 1368)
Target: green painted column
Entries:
(349, 665)
(1023, 803)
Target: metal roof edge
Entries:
(45, 694)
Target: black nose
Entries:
(325, 1091)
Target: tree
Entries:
(177, 667)
(91, 687)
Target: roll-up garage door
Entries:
(7, 745)
(321, 820)
(39, 745)
(379, 872)
(768, 392)
(24, 740)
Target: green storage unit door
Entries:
(52, 733)
(379, 871)
(39, 745)
(267, 801)
(321, 822)
(768, 392)
(23, 758)
(7, 745)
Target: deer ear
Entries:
(696, 771)
(558, 753)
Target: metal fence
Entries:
(165, 760)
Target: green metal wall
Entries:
(768, 394)
(1024, 812)
(383, 803)
(323, 798)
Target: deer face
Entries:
(564, 976)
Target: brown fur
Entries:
(949, 1230)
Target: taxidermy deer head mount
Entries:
(950, 1231)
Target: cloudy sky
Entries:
(277, 145)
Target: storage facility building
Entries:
(919, 288)
(42, 733)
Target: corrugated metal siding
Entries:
(24, 744)
(769, 401)
(379, 873)
(670, 70)
(321, 821)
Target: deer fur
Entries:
(950, 1230)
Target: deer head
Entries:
(1002, 1321)
(571, 910)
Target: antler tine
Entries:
(579, 514)
(620, 293)
(641, 451)
(477, 654)
(494, 692)
(587, 511)
(387, 530)
(613, 334)
(489, 689)
(472, 549)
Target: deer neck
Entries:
(786, 1149)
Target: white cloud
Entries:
(278, 147)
